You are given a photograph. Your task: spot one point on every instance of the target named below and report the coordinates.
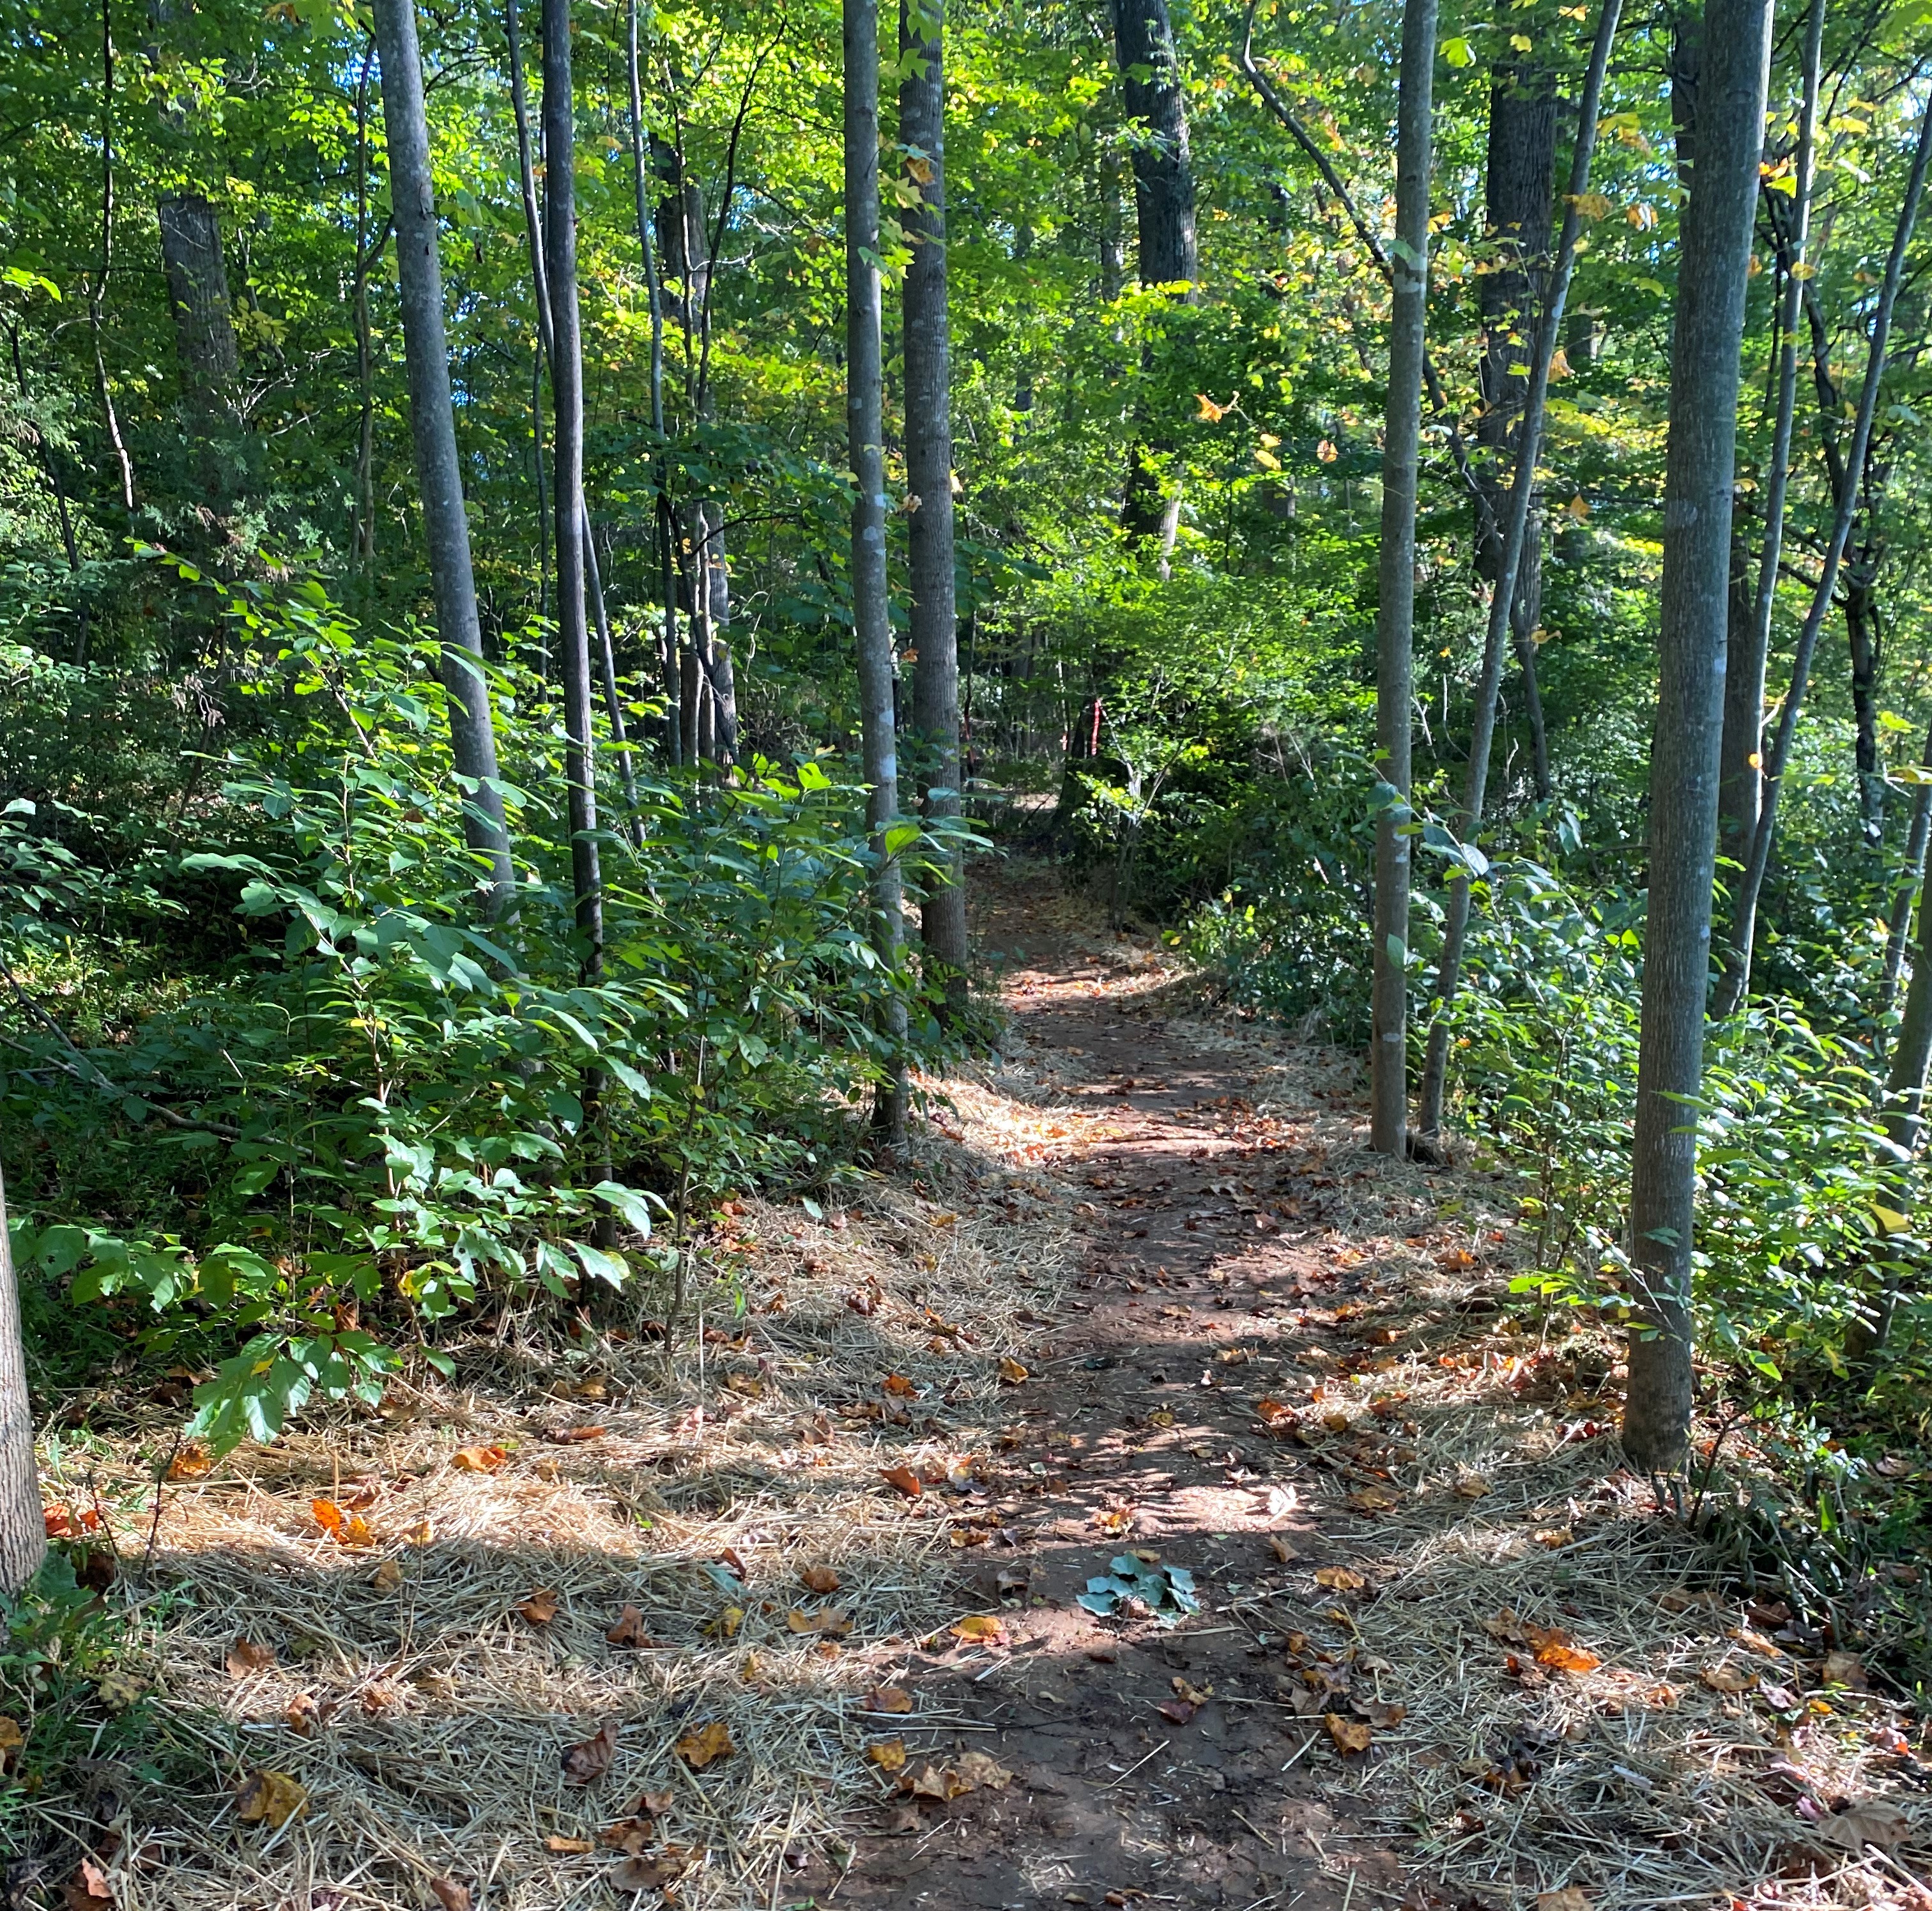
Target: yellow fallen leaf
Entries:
(565, 1847)
(832, 1622)
(888, 1754)
(979, 1626)
(1349, 1734)
(726, 1625)
(1339, 1578)
(1011, 1372)
(706, 1744)
(271, 1798)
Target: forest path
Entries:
(1445, 1653)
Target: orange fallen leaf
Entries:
(629, 1629)
(1349, 1734)
(1011, 1372)
(540, 1608)
(191, 1463)
(889, 1699)
(479, 1459)
(818, 1578)
(345, 1529)
(1339, 1578)
(897, 1384)
(979, 1628)
(830, 1622)
(1552, 1648)
(87, 1889)
(1274, 1414)
(588, 1760)
(248, 1656)
(571, 1436)
(904, 1479)
(708, 1743)
(450, 1895)
(271, 1798)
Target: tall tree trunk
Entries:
(1502, 597)
(1862, 635)
(1899, 925)
(1713, 257)
(1848, 474)
(433, 429)
(1395, 613)
(204, 315)
(654, 286)
(23, 1529)
(365, 363)
(928, 456)
(1164, 213)
(1740, 764)
(864, 408)
(566, 385)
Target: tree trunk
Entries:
(1714, 255)
(365, 363)
(566, 385)
(928, 456)
(197, 276)
(1740, 763)
(1847, 474)
(433, 429)
(1519, 191)
(1502, 597)
(654, 284)
(1899, 925)
(1164, 213)
(23, 1529)
(864, 407)
(1395, 613)
(1862, 637)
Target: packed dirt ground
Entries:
(1148, 1496)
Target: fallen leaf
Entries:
(1755, 1642)
(479, 1459)
(1339, 1578)
(1282, 1550)
(1729, 1678)
(889, 1699)
(707, 1743)
(1567, 1658)
(247, 1656)
(87, 1890)
(831, 1622)
(981, 1772)
(587, 1761)
(818, 1578)
(389, 1577)
(651, 1804)
(345, 1529)
(1570, 1898)
(450, 1895)
(1194, 1695)
(540, 1608)
(1472, 1485)
(979, 1628)
(657, 1872)
(571, 1436)
(1845, 1669)
(904, 1479)
(568, 1847)
(191, 1463)
(926, 1781)
(1553, 1537)
(271, 1798)
(1177, 1711)
(1011, 1372)
(888, 1754)
(11, 1737)
(1349, 1734)
(726, 1625)
(629, 1629)
(1274, 1414)
(897, 1384)
(1869, 1821)
(1381, 1715)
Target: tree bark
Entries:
(864, 408)
(566, 385)
(1503, 596)
(204, 316)
(1164, 215)
(433, 429)
(365, 364)
(23, 1530)
(1714, 254)
(1740, 763)
(1899, 925)
(1846, 475)
(1395, 613)
(928, 456)
(1863, 639)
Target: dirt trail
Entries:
(1444, 1653)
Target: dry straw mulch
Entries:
(423, 1690)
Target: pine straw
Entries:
(443, 1756)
